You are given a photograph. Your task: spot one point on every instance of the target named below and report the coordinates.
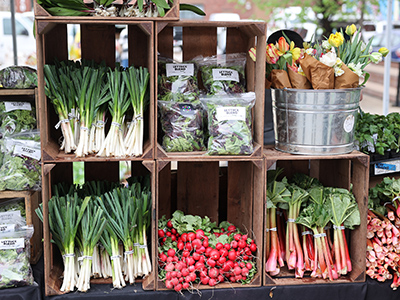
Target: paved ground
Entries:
(374, 105)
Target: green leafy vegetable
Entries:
(16, 117)
(18, 77)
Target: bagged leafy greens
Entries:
(12, 214)
(18, 77)
(177, 81)
(15, 269)
(229, 123)
(182, 124)
(20, 169)
(16, 117)
(223, 74)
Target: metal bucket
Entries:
(315, 122)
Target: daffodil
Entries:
(336, 39)
(295, 51)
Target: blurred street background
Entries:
(311, 19)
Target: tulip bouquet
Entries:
(335, 63)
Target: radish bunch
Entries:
(190, 258)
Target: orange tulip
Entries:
(272, 54)
(282, 46)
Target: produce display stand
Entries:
(332, 171)
(200, 38)
(98, 44)
(224, 191)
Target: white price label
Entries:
(387, 167)
(348, 124)
(8, 217)
(231, 113)
(7, 228)
(225, 74)
(12, 243)
(179, 69)
(10, 106)
(27, 151)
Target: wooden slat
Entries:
(199, 41)
(198, 189)
(240, 196)
(335, 173)
(165, 42)
(140, 53)
(59, 49)
(98, 43)
(164, 191)
(100, 171)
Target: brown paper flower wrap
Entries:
(280, 79)
(320, 75)
(347, 80)
(298, 81)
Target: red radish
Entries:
(164, 239)
(232, 255)
(211, 262)
(208, 250)
(205, 243)
(163, 257)
(245, 257)
(170, 259)
(242, 244)
(234, 244)
(221, 260)
(173, 231)
(212, 282)
(180, 245)
(185, 253)
(168, 233)
(188, 279)
(180, 279)
(237, 237)
(168, 276)
(190, 261)
(231, 228)
(201, 250)
(188, 246)
(220, 278)
(185, 285)
(199, 266)
(191, 268)
(223, 252)
(175, 258)
(171, 252)
(238, 277)
(245, 272)
(232, 279)
(169, 224)
(202, 259)
(161, 233)
(169, 285)
(237, 270)
(196, 244)
(184, 237)
(199, 233)
(191, 236)
(185, 272)
(213, 273)
(174, 274)
(173, 238)
(219, 246)
(249, 266)
(244, 237)
(227, 246)
(205, 280)
(193, 276)
(174, 281)
(169, 267)
(253, 247)
(214, 254)
(178, 287)
(196, 256)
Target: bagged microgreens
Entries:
(182, 124)
(137, 82)
(177, 81)
(21, 168)
(223, 73)
(229, 123)
(15, 269)
(16, 117)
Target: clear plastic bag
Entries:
(15, 269)
(16, 117)
(229, 123)
(223, 74)
(18, 77)
(20, 168)
(12, 212)
(177, 81)
(182, 124)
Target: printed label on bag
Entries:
(12, 243)
(10, 106)
(7, 228)
(231, 113)
(179, 69)
(8, 217)
(27, 151)
(349, 123)
(387, 167)
(186, 109)
(225, 74)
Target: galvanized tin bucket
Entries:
(315, 122)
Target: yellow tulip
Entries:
(336, 39)
(351, 29)
(296, 52)
(384, 51)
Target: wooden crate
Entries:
(232, 192)
(97, 43)
(63, 172)
(201, 38)
(32, 200)
(333, 171)
(171, 15)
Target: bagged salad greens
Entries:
(16, 117)
(15, 269)
(20, 168)
(223, 73)
(177, 81)
(182, 124)
(12, 212)
(18, 77)
(229, 123)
